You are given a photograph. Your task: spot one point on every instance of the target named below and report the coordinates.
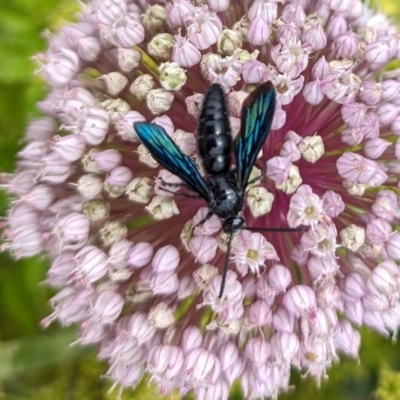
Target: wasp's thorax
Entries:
(227, 200)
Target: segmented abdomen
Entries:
(214, 140)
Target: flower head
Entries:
(127, 245)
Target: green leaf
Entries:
(20, 355)
(21, 295)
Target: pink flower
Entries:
(251, 251)
(130, 250)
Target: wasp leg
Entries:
(165, 183)
(206, 218)
(226, 266)
(190, 196)
(261, 229)
(258, 178)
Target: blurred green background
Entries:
(37, 364)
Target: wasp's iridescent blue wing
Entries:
(167, 153)
(257, 114)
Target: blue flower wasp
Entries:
(224, 188)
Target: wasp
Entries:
(224, 187)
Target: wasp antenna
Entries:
(257, 229)
(226, 266)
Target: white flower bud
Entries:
(154, 18)
(96, 210)
(90, 185)
(292, 182)
(161, 46)
(140, 190)
(340, 65)
(187, 234)
(159, 100)
(229, 40)
(113, 83)
(161, 316)
(242, 27)
(369, 35)
(128, 59)
(89, 163)
(243, 55)
(232, 327)
(312, 148)
(259, 200)
(140, 86)
(172, 76)
(209, 59)
(162, 207)
(142, 297)
(112, 232)
(112, 190)
(204, 275)
(354, 188)
(352, 237)
(146, 157)
(116, 108)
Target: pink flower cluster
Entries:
(142, 283)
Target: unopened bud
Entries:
(115, 108)
(154, 18)
(161, 316)
(229, 40)
(96, 209)
(204, 275)
(352, 237)
(185, 53)
(292, 182)
(142, 85)
(70, 147)
(312, 148)
(159, 100)
(187, 234)
(128, 59)
(140, 190)
(146, 157)
(108, 159)
(118, 179)
(113, 83)
(90, 185)
(259, 200)
(89, 161)
(112, 232)
(172, 76)
(354, 188)
(242, 27)
(162, 207)
(161, 46)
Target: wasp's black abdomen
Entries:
(214, 140)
